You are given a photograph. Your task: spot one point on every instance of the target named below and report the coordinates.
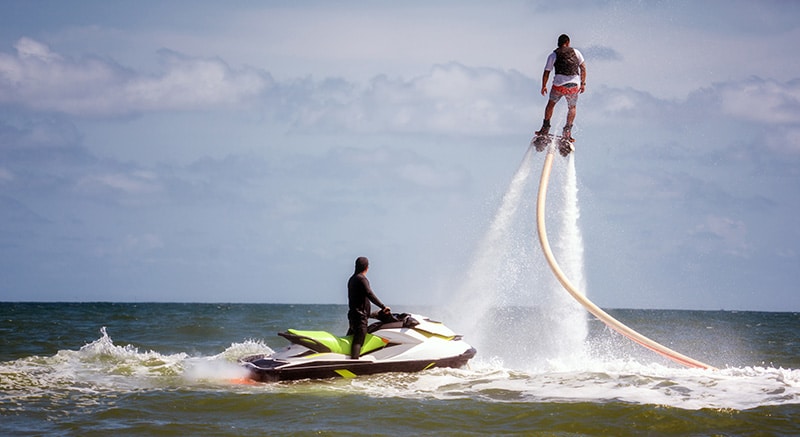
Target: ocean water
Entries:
(170, 369)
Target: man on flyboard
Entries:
(568, 81)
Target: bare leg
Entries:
(548, 113)
(548, 110)
(571, 115)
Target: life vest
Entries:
(567, 62)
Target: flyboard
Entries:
(591, 307)
(542, 141)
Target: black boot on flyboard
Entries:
(542, 137)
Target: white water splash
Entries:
(570, 241)
(517, 312)
(493, 249)
(599, 382)
(102, 366)
(568, 317)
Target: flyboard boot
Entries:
(542, 138)
(565, 146)
(545, 128)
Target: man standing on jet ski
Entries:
(359, 295)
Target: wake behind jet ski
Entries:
(397, 343)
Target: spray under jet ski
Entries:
(396, 343)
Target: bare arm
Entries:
(545, 77)
(583, 77)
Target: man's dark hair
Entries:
(361, 264)
(563, 39)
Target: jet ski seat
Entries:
(390, 321)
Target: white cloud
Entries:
(192, 83)
(756, 110)
(39, 79)
(449, 99)
(134, 183)
(28, 48)
(763, 101)
(785, 139)
(604, 106)
(601, 53)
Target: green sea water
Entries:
(170, 369)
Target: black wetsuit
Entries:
(359, 294)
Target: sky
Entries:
(249, 151)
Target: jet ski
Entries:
(396, 343)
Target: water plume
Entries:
(509, 306)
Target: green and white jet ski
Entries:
(399, 343)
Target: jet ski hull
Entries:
(265, 369)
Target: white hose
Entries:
(580, 297)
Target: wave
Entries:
(102, 367)
(600, 382)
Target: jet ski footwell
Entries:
(265, 369)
